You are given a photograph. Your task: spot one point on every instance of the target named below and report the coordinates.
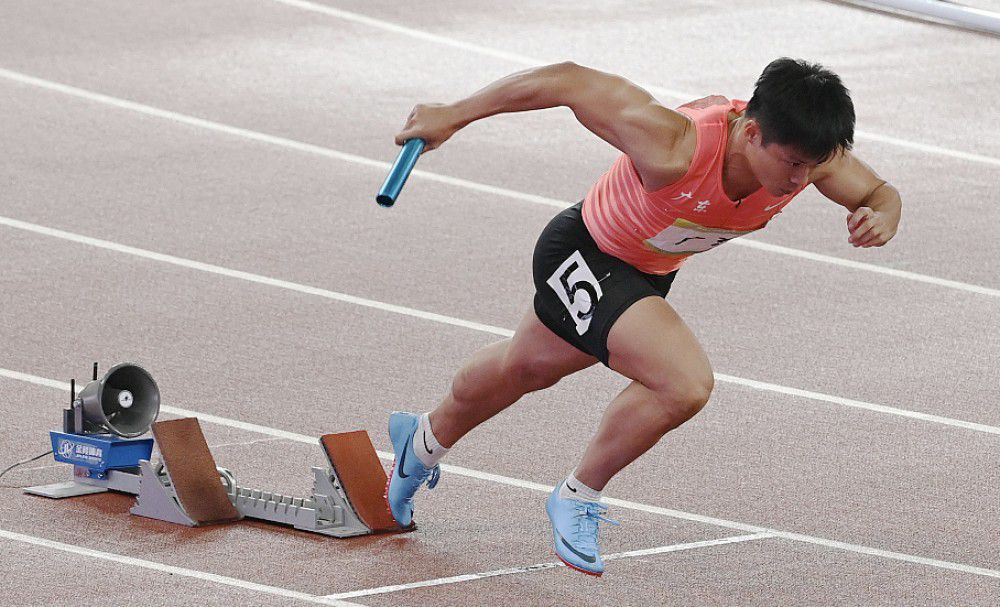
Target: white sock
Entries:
(582, 492)
(429, 451)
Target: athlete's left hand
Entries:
(870, 228)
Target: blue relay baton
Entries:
(400, 170)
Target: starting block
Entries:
(100, 439)
(187, 488)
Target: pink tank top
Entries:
(656, 231)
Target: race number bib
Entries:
(685, 237)
(577, 289)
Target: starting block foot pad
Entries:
(360, 473)
(192, 471)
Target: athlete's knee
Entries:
(682, 397)
(473, 382)
(531, 372)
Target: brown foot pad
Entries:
(353, 458)
(192, 471)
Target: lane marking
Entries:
(735, 539)
(268, 139)
(244, 443)
(456, 579)
(887, 554)
(173, 570)
(867, 267)
(456, 322)
(532, 62)
(250, 277)
(455, 181)
(542, 488)
(857, 404)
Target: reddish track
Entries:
(290, 358)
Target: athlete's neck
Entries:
(738, 179)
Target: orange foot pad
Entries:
(192, 471)
(353, 458)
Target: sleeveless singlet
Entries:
(657, 231)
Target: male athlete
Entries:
(687, 181)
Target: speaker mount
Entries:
(125, 402)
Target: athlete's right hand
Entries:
(432, 122)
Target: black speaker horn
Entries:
(125, 401)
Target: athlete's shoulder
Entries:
(669, 159)
(677, 148)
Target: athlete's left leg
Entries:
(672, 381)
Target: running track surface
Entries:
(188, 186)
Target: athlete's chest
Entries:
(707, 204)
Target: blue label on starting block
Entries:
(79, 453)
(99, 452)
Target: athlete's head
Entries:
(801, 115)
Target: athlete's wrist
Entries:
(462, 113)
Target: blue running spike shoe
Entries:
(408, 472)
(574, 530)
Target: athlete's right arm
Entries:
(610, 106)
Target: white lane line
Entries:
(268, 139)
(887, 554)
(247, 276)
(173, 570)
(847, 402)
(448, 320)
(928, 148)
(409, 31)
(542, 488)
(455, 181)
(867, 267)
(736, 539)
(531, 62)
(470, 577)
(245, 443)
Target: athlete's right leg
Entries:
(490, 381)
(498, 375)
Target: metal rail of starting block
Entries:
(328, 510)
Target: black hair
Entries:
(803, 105)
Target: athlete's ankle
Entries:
(425, 445)
(573, 489)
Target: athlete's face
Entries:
(781, 169)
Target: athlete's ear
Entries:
(752, 131)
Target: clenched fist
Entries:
(870, 228)
(432, 122)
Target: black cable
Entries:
(27, 461)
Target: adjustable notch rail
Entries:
(327, 511)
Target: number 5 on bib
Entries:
(577, 289)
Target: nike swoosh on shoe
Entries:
(402, 459)
(587, 557)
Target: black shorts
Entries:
(580, 291)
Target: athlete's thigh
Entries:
(651, 344)
(537, 346)
(579, 289)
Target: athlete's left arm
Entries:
(874, 204)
